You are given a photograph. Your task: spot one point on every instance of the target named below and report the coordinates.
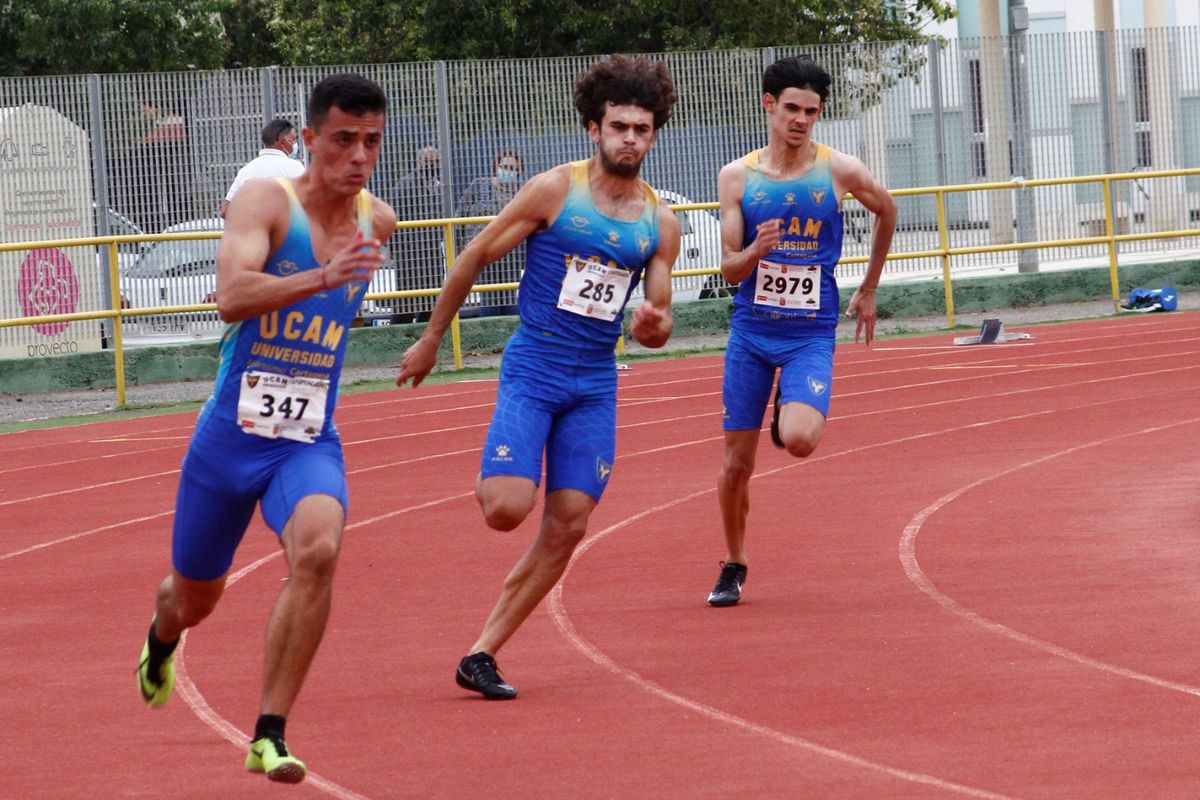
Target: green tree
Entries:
(58, 37)
(49, 37)
(249, 42)
(666, 25)
(347, 31)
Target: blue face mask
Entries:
(504, 175)
(296, 150)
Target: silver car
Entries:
(699, 248)
(175, 273)
(183, 273)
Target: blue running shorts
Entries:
(227, 472)
(806, 375)
(555, 399)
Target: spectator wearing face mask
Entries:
(420, 255)
(484, 198)
(279, 158)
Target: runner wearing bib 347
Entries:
(292, 268)
(781, 236)
(595, 230)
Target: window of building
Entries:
(1139, 75)
(978, 144)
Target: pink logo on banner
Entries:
(48, 286)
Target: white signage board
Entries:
(46, 194)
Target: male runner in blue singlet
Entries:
(594, 230)
(781, 235)
(292, 268)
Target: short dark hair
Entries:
(275, 130)
(796, 72)
(621, 80)
(350, 92)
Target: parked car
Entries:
(383, 281)
(175, 273)
(699, 248)
(128, 253)
(120, 225)
(184, 272)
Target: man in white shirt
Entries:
(277, 158)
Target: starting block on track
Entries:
(991, 332)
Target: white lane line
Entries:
(194, 698)
(623, 401)
(908, 558)
(81, 534)
(567, 628)
(90, 486)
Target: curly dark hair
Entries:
(797, 72)
(622, 81)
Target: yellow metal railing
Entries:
(1109, 238)
(944, 252)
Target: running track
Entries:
(986, 583)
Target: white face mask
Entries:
(295, 150)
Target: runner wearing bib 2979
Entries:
(786, 311)
(781, 236)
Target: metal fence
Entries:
(121, 319)
(162, 149)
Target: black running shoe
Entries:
(478, 673)
(775, 437)
(729, 585)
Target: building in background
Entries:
(1051, 88)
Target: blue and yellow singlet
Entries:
(793, 289)
(297, 349)
(580, 271)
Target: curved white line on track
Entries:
(224, 728)
(559, 613)
(567, 628)
(908, 558)
(227, 730)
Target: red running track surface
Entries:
(985, 583)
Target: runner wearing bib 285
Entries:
(559, 372)
(595, 230)
(781, 236)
